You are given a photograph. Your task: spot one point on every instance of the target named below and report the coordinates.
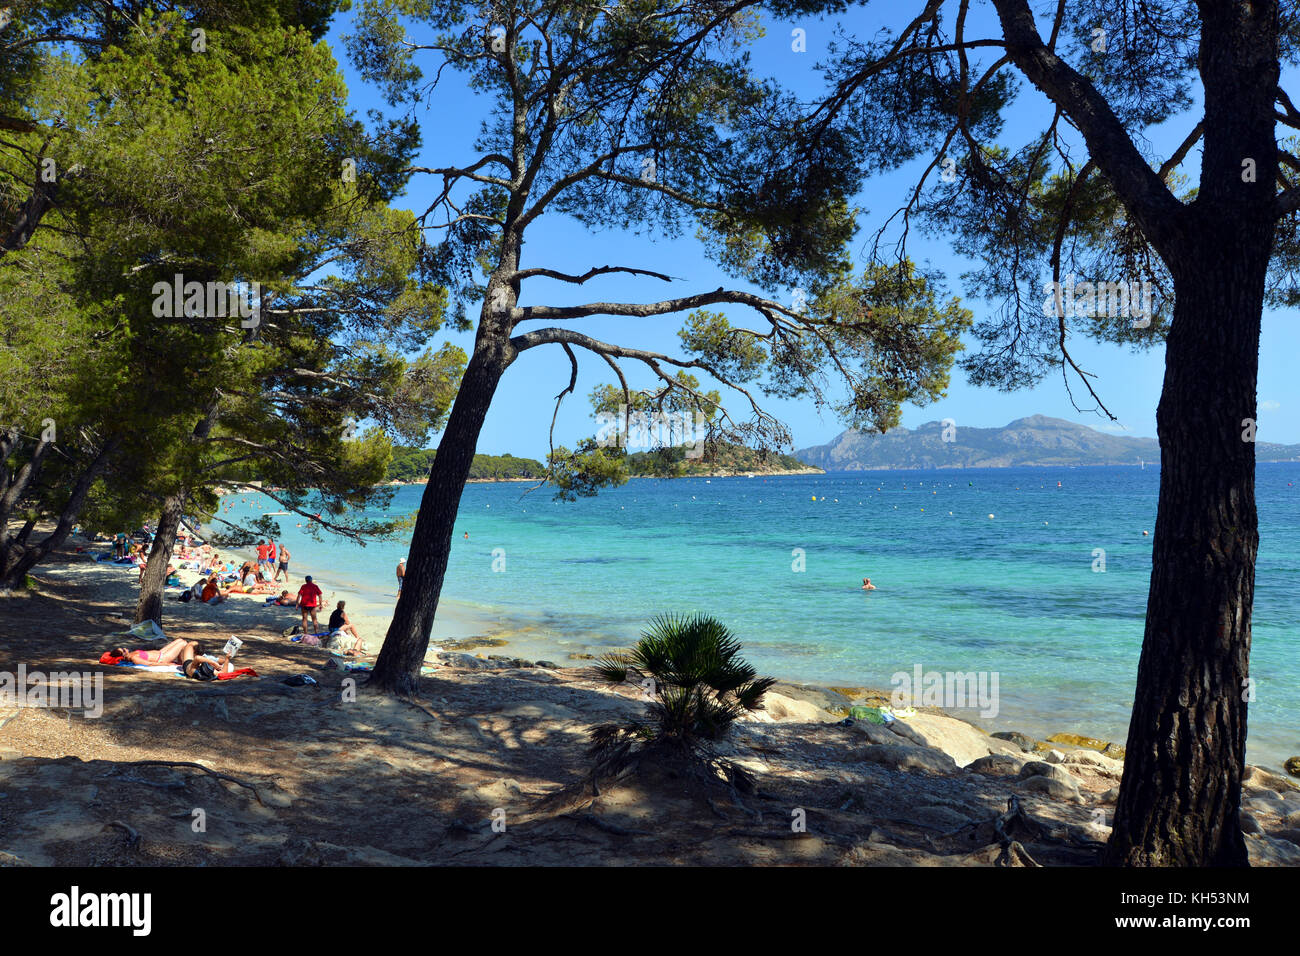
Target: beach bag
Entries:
(186, 595)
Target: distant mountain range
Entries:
(1026, 442)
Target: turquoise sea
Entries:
(781, 561)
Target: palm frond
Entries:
(700, 686)
(612, 667)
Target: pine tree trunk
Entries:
(1181, 790)
(398, 668)
(149, 607)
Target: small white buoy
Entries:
(990, 516)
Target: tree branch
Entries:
(589, 274)
(1138, 186)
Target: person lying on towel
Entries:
(169, 653)
(199, 667)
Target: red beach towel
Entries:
(239, 673)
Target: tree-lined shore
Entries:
(218, 271)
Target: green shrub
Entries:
(698, 684)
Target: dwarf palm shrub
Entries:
(698, 685)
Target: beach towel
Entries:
(238, 673)
(145, 631)
(156, 668)
(872, 715)
(881, 715)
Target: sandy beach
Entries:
(488, 766)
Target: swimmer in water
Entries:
(867, 585)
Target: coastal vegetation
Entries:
(698, 686)
(206, 280)
(413, 464)
(208, 350)
(641, 117)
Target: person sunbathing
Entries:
(171, 571)
(261, 585)
(284, 600)
(212, 594)
(340, 623)
(193, 659)
(250, 582)
(241, 578)
(169, 653)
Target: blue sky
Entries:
(1129, 383)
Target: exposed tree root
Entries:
(132, 837)
(194, 766)
(605, 825)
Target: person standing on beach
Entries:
(270, 558)
(262, 550)
(284, 564)
(309, 596)
(401, 573)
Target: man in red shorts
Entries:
(309, 596)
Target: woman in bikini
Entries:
(167, 654)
